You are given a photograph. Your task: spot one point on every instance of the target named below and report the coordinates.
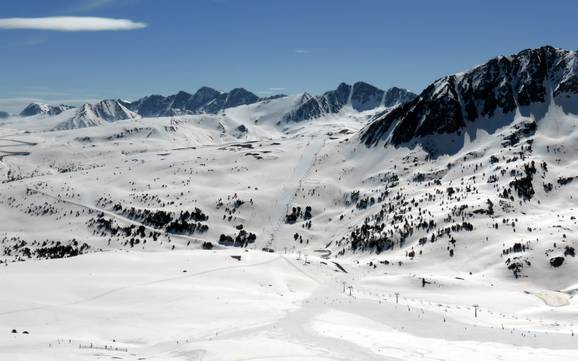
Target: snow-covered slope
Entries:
(91, 115)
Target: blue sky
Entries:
(267, 46)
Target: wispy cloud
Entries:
(70, 23)
(89, 5)
(21, 44)
(302, 51)
(270, 91)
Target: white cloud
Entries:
(302, 51)
(70, 23)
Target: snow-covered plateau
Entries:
(361, 224)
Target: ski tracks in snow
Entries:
(301, 172)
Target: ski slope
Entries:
(199, 305)
(155, 294)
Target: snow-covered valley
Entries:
(293, 228)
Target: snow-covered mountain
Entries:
(4, 115)
(359, 96)
(281, 223)
(91, 115)
(43, 109)
(523, 82)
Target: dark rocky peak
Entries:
(360, 96)
(365, 96)
(307, 107)
(496, 88)
(396, 96)
(205, 100)
(240, 96)
(152, 106)
(201, 97)
(338, 98)
(234, 98)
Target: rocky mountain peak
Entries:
(43, 109)
(360, 96)
(90, 115)
(498, 87)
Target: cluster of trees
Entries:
(242, 239)
(59, 250)
(107, 226)
(523, 185)
(20, 250)
(183, 223)
(516, 248)
(297, 213)
(369, 238)
(516, 265)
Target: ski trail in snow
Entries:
(300, 173)
(20, 142)
(142, 284)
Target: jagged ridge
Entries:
(360, 96)
(500, 86)
(43, 109)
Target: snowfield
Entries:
(207, 305)
(241, 236)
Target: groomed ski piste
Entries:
(278, 256)
(207, 305)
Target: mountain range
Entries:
(360, 96)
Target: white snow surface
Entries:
(168, 299)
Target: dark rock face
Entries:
(4, 115)
(152, 106)
(310, 107)
(234, 98)
(337, 98)
(203, 96)
(44, 109)
(361, 96)
(365, 96)
(499, 86)
(395, 96)
(205, 100)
